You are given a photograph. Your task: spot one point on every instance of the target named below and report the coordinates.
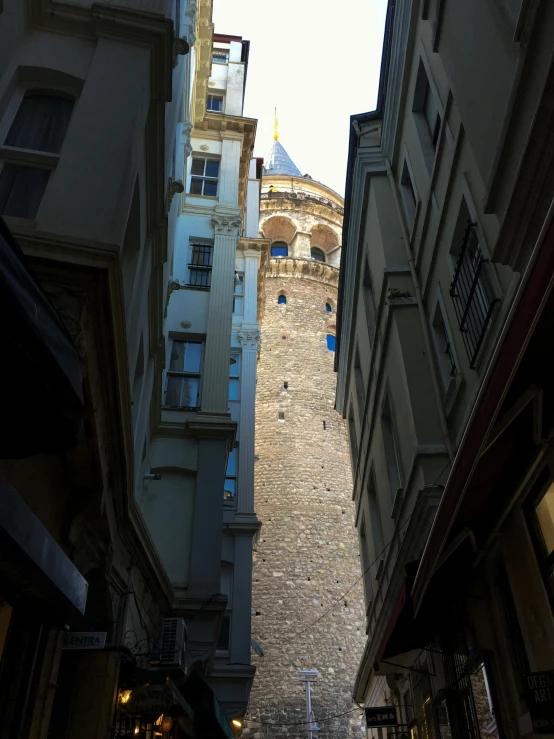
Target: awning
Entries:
(34, 565)
(474, 477)
(40, 389)
(407, 631)
(210, 721)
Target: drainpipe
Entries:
(424, 327)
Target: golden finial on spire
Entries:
(275, 126)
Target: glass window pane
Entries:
(317, 254)
(234, 368)
(212, 168)
(193, 356)
(210, 188)
(196, 186)
(189, 394)
(40, 123)
(545, 515)
(239, 284)
(279, 250)
(176, 360)
(173, 391)
(232, 463)
(198, 166)
(238, 305)
(21, 190)
(233, 389)
(331, 342)
(229, 489)
(282, 300)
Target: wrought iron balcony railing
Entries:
(472, 294)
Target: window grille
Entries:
(472, 294)
(200, 266)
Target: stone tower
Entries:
(307, 553)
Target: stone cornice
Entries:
(310, 206)
(109, 21)
(305, 269)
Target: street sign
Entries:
(377, 716)
(84, 640)
(539, 696)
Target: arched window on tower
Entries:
(282, 300)
(328, 307)
(331, 342)
(279, 249)
(317, 254)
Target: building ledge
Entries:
(306, 269)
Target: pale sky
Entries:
(316, 61)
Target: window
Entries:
(367, 293)
(471, 290)
(375, 519)
(215, 103)
(230, 489)
(543, 525)
(427, 117)
(238, 297)
(331, 342)
(366, 566)
(204, 176)
(317, 254)
(183, 375)
(392, 452)
(31, 149)
(220, 56)
(359, 379)
(328, 308)
(444, 352)
(282, 300)
(281, 415)
(353, 438)
(279, 249)
(200, 265)
(408, 194)
(234, 377)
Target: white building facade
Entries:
(201, 512)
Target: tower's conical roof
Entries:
(279, 162)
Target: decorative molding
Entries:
(249, 339)
(227, 225)
(173, 187)
(306, 269)
(186, 324)
(180, 48)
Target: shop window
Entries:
(35, 137)
(542, 514)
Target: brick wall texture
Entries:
(307, 554)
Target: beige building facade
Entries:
(306, 555)
(448, 210)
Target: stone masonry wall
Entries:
(307, 554)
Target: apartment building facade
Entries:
(443, 312)
(201, 512)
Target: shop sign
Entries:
(84, 640)
(148, 700)
(539, 696)
(377, 716)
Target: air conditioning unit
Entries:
(173, 643)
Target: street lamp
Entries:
(308, 677)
